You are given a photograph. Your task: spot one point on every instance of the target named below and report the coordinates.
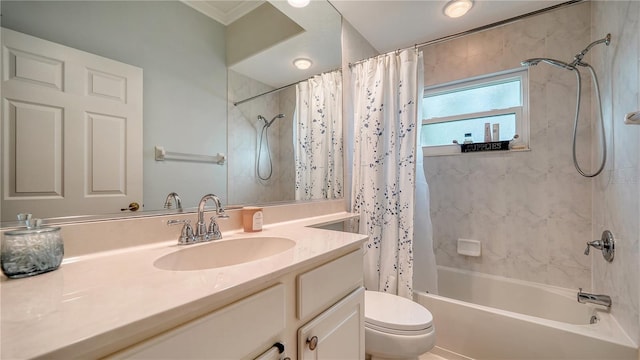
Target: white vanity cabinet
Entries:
(323, 304)
(335, 291)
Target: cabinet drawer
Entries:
(237, 331)
(324, 286)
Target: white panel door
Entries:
(72, 130)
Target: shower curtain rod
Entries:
(280, 88)
(475, 30)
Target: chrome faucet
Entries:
(213, 233)
(168, 202)
(603, 300)
(202, 234)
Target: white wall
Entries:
(182, 54)
(616, 193)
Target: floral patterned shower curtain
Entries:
(318, 137)
(385, 95)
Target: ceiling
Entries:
(394, 24)
(224, 11)
(387, 24)
(400, 23)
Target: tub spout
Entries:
(603, 300)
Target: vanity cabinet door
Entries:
(337, 333)
(239, 331)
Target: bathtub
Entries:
(491, 317)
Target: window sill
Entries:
(446, 150)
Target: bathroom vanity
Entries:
(132, 303)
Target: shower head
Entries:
(279, 116)
(554, 62)
(577, 59)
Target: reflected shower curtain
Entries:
(385, 95)
(318, 137)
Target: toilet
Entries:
(395, 327)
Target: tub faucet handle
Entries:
(595, 243)
(606, 244)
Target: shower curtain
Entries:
(385, 96)
(318, 137)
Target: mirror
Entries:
(264, 131)
(183, 55)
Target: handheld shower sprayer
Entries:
(577, 59)
(554, 62)
(279, 116)
(573, 66)
(264, 137)
(268, 123)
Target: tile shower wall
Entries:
(531, 209)
(616, 193)
(244, 137)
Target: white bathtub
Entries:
(491, 317)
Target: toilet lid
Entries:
(394, 312)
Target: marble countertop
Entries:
(95, 304)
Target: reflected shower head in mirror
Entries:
(279, 116)
(264, 137)
(268, 123)
(554, 62)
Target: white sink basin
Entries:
(221, 253)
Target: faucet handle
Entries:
(214, 228)
(186, 235)
(595, 244)
(606, 244)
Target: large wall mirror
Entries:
(226, 89)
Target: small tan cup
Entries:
(252, 218)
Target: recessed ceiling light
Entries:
(302, 63)
(457, 8)
(298, 3)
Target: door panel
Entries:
(72, 130)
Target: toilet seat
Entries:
(395, 315)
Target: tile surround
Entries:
(244, 138)
(531, 210)
(616, 194)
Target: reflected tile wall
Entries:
(531, 210)
(244, 138)
(616, 200)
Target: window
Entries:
(452, 110)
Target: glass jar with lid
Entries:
(28, 252)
